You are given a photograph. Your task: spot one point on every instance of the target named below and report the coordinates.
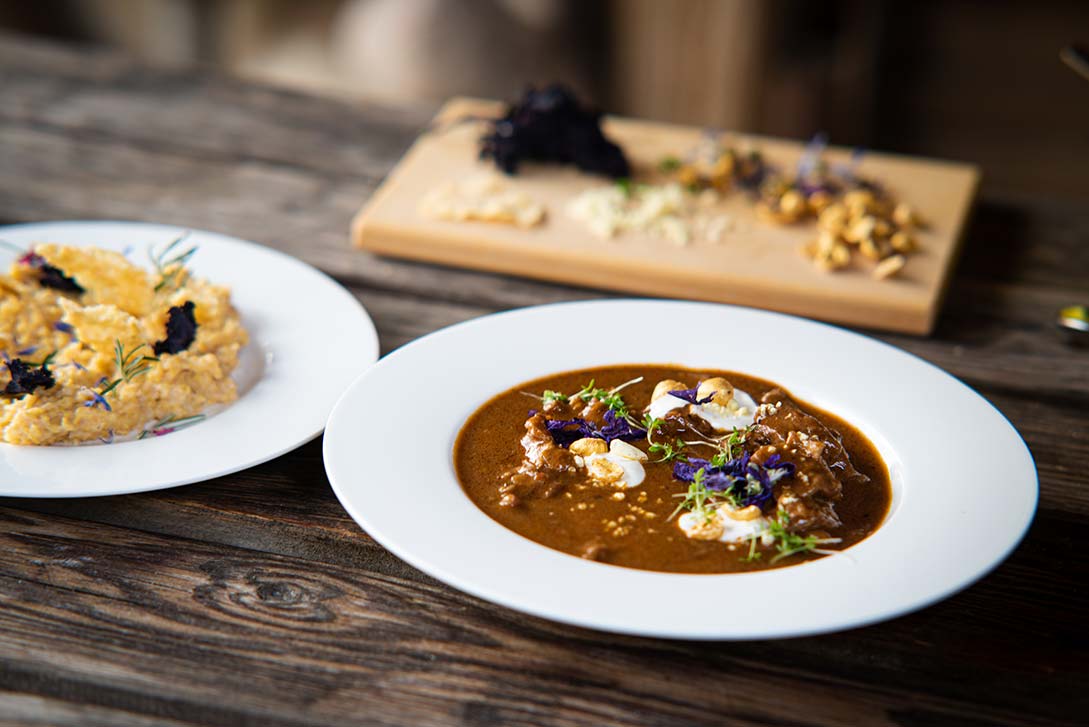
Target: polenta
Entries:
(96, 347)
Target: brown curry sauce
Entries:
(588, 520)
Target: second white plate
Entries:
(309, 338)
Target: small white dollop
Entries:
(634, 474)
(733, 531)
(665, 404)
(740, 412)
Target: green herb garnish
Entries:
(611, 397)
(170, 267)
(669, 451)
(733, 446)
(170, 424)
(695, 500)
(129, 364)
(788, 543)
(550, 396)
(669, 164)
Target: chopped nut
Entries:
(664, 387)
(861, 229)
(870, 248)
(604, 471)
(819, 201)
(618, 496)
(859, 201)
(746, 513)
(704, 528)
(889, 266)
(826, 241)
(904, 216)
(793, 204)
(833, 218)
(719, 389)
(902, 242)
(588, 445)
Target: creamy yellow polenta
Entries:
(121, 304)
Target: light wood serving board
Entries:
(756, 263)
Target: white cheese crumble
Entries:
(482, 198)
(665, 210)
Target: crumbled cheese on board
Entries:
(667, 211)
(482, 198)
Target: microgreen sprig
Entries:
(695, 500)
(169, 267)
(590, 392)
(551, 396)
(732, 446)
(788, 543)
(669, 451)
(700, 500)
(611, 398)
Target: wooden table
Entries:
(254, 599)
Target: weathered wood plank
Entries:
(114, 612)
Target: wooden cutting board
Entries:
(755, 263)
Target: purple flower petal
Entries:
(566, 431)
(750, 483)
(689, 395)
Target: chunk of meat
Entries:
(806, 512)
(594, 412)
(541, 450)
(775, 424)
(822, 465)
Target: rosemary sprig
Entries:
(168, 266)
(169, 424)
(130, 364)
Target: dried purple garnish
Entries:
(549, 125)
(181, 329)
(566, 431)
(50, 276)
(64, 328)
(748, 482)
(26, 377)
(690, 396)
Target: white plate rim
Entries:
(422, 557)
(46, 472)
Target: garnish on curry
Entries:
(670, 469)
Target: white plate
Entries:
(308, 339)
(964, 483)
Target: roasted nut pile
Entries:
(855, 217)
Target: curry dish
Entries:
(97, 347)
(671, 469)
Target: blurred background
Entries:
(964, 79)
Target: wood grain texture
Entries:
(254, 599)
